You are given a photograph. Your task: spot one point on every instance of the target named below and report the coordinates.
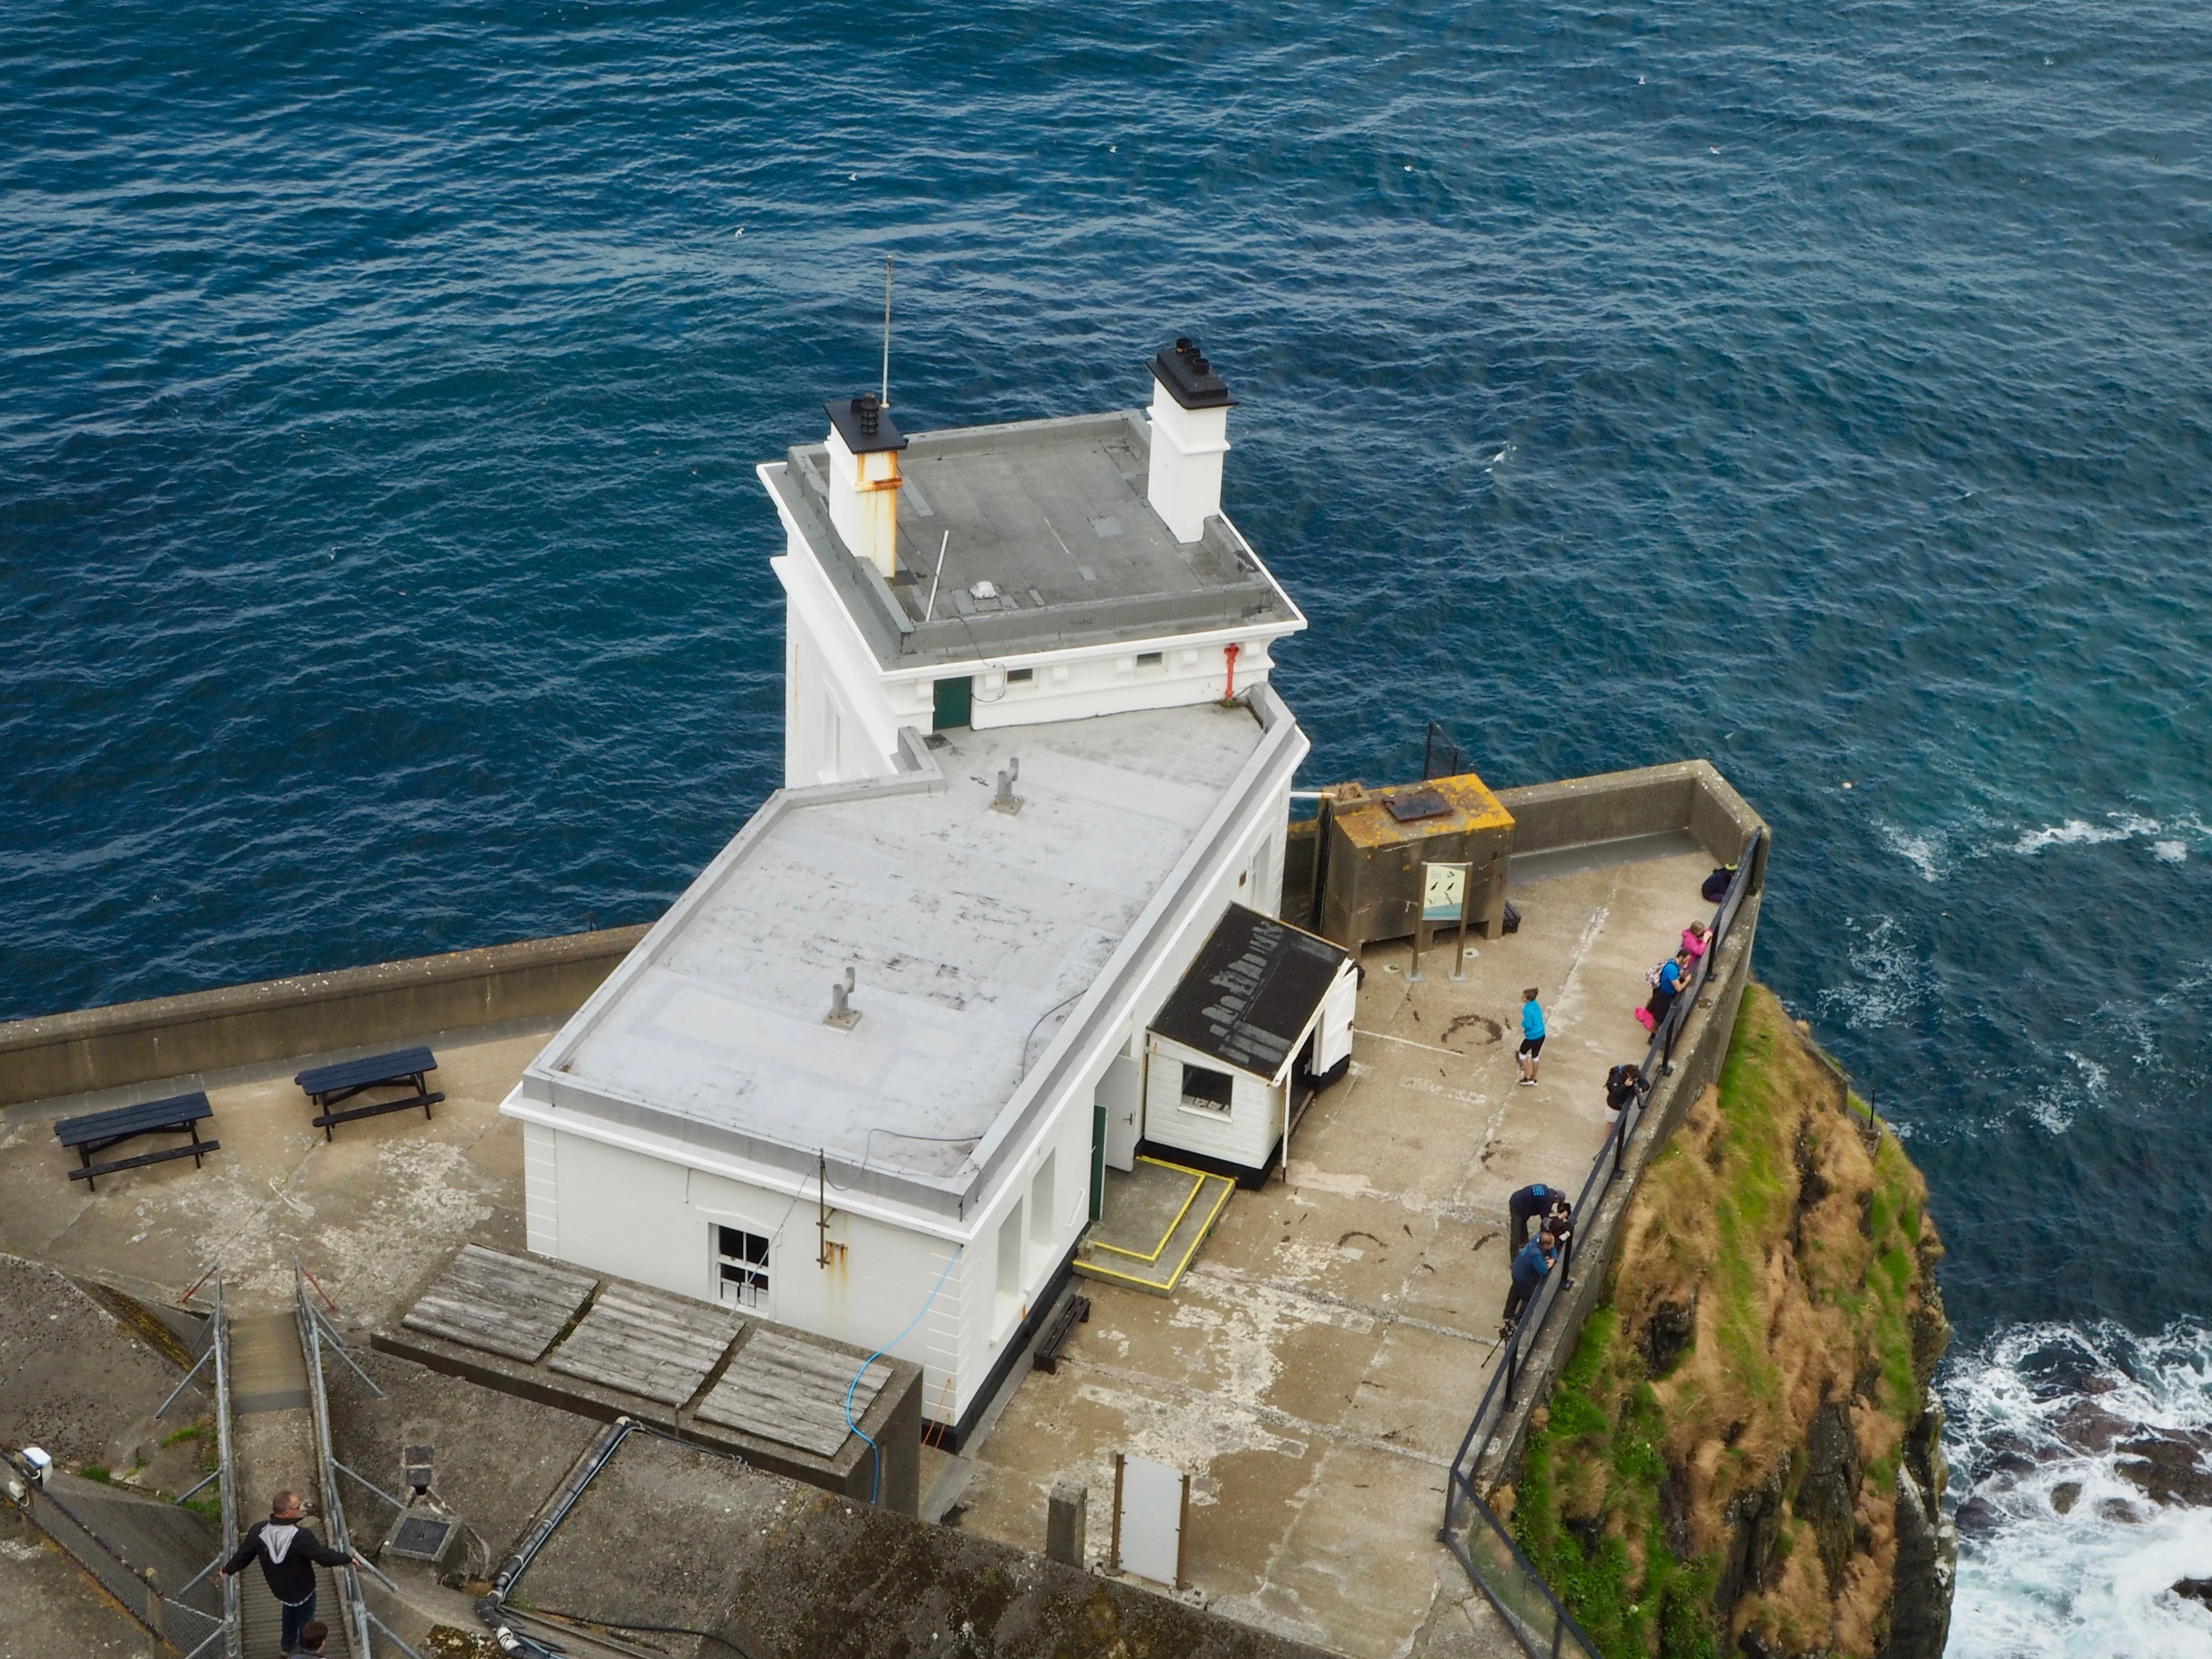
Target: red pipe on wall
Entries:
(1230, 693)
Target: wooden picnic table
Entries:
(98, 1131)
(328, 1085)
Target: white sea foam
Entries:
(2056, 1104)
(1925, 850)
(2169, 840)
(2027, 1413)
(2075, 832)
(1889, 977)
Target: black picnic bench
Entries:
(96, 1131)
(327, 1085)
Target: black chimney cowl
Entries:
(864, 424)
(1189, 379)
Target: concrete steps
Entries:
(1151, 1223)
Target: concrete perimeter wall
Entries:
(1650, 800)
(1549, 817)
(387, 1002)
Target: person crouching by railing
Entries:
(1529, 1269)
(1530, 1202)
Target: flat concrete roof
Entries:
(973, 934)
(1053, 514)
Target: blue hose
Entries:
(875, 1482)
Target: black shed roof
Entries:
(1254, 989)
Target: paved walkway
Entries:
(368, 1212)
(1320, 1361)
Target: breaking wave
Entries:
(2168, 841)
(2083, 1470)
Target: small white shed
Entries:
(1259, 1023)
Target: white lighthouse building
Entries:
(1032, 759)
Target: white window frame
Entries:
(1191, 1103)
(747, 1286)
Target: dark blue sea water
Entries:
(1822, 389)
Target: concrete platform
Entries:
(1320, 1358)
(1314, 1370)
(369, 1212)
(1152, 1223)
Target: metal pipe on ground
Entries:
(556, 1509)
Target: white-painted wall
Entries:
(826, 656)
(1244, 1135)
(827, 664)
(648, 1214)
(540, 1188)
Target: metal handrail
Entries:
(1563, 1629)
(351, 1605)
(1605, 1167)
(234, 1637)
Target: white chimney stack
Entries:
(1190, 434)
(864, 479)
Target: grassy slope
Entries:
(1692, 1480)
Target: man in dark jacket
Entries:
(1529, 1203)
(1530, 1268)
(289, 1554)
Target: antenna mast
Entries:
(884, 397)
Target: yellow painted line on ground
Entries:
(1197, 1186)
(1204, 1232)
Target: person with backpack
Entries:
(1622, 1085)
(1667, 981)
(288, 1554)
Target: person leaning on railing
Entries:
(1666, 985)
(1530, 1268)
(1623, 1084)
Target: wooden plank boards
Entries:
(647, 1342)
(791, 1392)
(504, 1305)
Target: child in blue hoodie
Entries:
(1532, 1035)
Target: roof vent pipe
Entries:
(863, 448)
(842, 1014)
(1190, 434)
(1006, 800)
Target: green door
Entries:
(1097, 1165)
(955, 704)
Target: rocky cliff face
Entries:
(1744, 1455)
